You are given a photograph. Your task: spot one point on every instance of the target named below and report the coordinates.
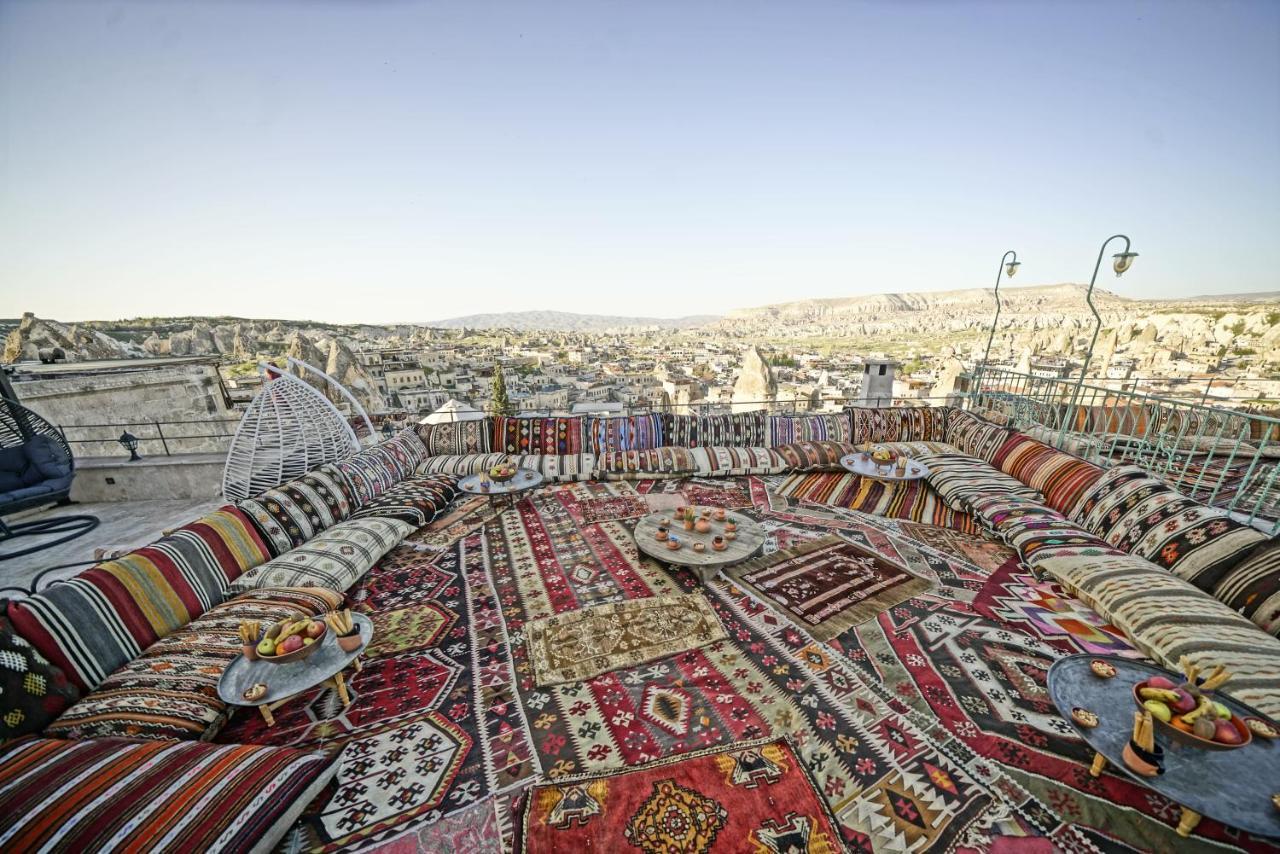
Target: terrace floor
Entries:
(923, 724)
(123, 526)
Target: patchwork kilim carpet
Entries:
(927, 727)
(580, 644)
(914, 501)
(829, 584)
(756, 796)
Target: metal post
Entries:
(1097, 323)
(986, 354)
(160, 433)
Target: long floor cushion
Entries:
(110, 795)
(334, 559)
(1167, 617)
(170, 690)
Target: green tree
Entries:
(501, 403)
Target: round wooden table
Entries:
(707, 563)
(854, 463)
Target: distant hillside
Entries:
(1038, 298)
(565, 321)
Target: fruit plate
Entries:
(298, 654)
(502, 477)
(1191, 738)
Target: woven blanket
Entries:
(914, 501)
(828, 585)
(581, 644)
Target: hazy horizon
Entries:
(356, 162)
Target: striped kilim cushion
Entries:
(334, 559)
(973, 436)
(911, 449)
(627, 433)
(739, 430)
(170, 691)
(373, 471)
(1143, 515)
(415, 501)
(788, 429)
(814, 456)
(958, 478)
(1252, 587)
(1061, 478)
(92, 624)
(32, 691)
(731, 462)
(875, 424)
(519, 435)
(914, 500)
(559, 468)
(1167, 618)
(293, 513)
(109, 795)
(462, 464)
(653, 464)
(457, 437)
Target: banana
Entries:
(1206, 705)
(1164, 695)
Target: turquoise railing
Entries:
(1223, 457)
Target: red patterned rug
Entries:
(754, 797)
(981, 552)
(828, 585)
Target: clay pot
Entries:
(718, 543)
(730, 535)
(702, 526)
(673, 544)
(661, 534)
(730, 526)
(680, 514)
(250, 651)
(349, 643)
(719, 514)
(699, 548)
(688, 523)
(706, 513)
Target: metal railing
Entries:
(1222, 457)
(191, 436)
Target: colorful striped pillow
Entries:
(653, 464)
(415, 501)
(1061, 478)
(518, 435)
(457, 437)
(374, 470)
(814, 456)
(558, 468)
(334, 559)
(734, 462)
(959, 478)
(107, 795)
(92, 624)
(461, 464)
(973, 436)
(628, 433)
(294, 512)
(789, 429)
(739, 430)
(1252, 587)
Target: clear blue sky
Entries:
(383, 161)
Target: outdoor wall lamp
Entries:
(1123, 261)
(130, 443)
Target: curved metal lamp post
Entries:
(1008, 266)
(1120, 262)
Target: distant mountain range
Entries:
(566, 321)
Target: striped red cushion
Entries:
(119, 795)
(1061, 478)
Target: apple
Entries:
(1161, 682)
(1221, 711)
(1224, 732)
(267, 647)
(315, 629)
(1158, 710)
(308, 641)
(291, 644)
(1184, 703)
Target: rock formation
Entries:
(755, 387)
(32, 335)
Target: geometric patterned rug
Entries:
(751, 797)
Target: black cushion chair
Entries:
(36, 468)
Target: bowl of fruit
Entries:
(882, 455)
(292, 639)
(1187, 713)
(502, 472)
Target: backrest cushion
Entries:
(294, 512)
(1252, 587)
(558, 468)
(457, 437)
(415, 501)
(17, 470)
(789, 429)
(373, 471)
(92, 624)
(626, 433)
(973, 436)
(1136, 511)
(334, 559)
(734, 462)
(519, 435)
(653, 464)
(32, 691)
(48, 457)
(958, 478)
(1061, 478)
(461, 464)
(737, 430)
(897, 423)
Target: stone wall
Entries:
(184, 403)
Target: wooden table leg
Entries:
(1099, 763)
(267, 716)
(1186, 824)
(341, 685)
